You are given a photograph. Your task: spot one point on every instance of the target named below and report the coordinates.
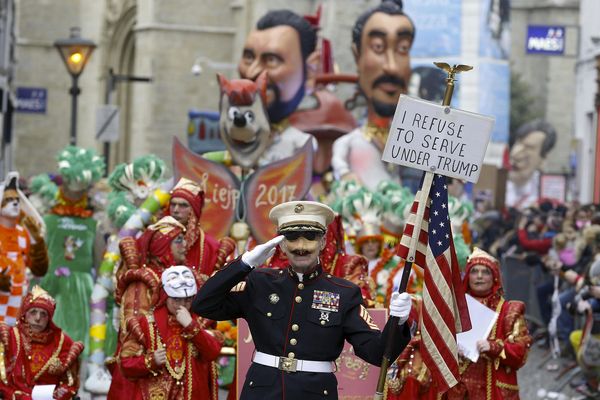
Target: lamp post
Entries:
(75, 52)
(596, 195)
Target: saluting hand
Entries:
(258, 255)
(183, 316)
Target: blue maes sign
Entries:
(543, 39)
(31, 100)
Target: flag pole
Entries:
(423, 196)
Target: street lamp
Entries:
(75, 52)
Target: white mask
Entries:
(12, 209)
(179, 282)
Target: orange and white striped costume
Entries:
(14, 259)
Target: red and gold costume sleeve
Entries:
(67, 371)
(207, 343)
(137, 354)
(511, 347)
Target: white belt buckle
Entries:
(287, 364)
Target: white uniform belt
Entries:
(292, 364)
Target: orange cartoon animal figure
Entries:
(244, 124)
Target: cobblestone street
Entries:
(534, 376)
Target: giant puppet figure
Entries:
(530, 145)
(71, 236)
(282, 45)
(22, 246)
(381, 42)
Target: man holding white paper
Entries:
(505, 349)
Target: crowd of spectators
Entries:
(559, 245)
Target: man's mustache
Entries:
(300, 252)
(396, 80)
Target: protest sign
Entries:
(438, 139)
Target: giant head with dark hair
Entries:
(381, 40)
(281, 45)
(529, 146)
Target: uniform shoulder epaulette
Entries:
(336, 280)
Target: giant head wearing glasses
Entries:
(303, 225)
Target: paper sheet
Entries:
(42, 392)
(482, 321)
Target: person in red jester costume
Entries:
(204, 253)
(37, 352)
(494, 375)
(170, 352)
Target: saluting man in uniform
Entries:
(299, 317)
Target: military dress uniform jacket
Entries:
(306, 320)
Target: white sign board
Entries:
(438, 139)
(107, 123)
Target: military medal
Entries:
(326, 301)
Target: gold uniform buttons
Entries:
(269, 314)
(298, 299)
(322, 322)
(325, 392)
(301, 286)
(295, 327)
(293, 342)
(291, 355)
(251, 383)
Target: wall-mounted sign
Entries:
(542, 39)
(31, 100)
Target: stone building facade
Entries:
(163, 39)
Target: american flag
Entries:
(444, 312)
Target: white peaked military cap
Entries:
(301, 216)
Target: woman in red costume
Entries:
(494, 375)
(169, 353)
(37, 352)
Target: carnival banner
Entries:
(229, 199)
